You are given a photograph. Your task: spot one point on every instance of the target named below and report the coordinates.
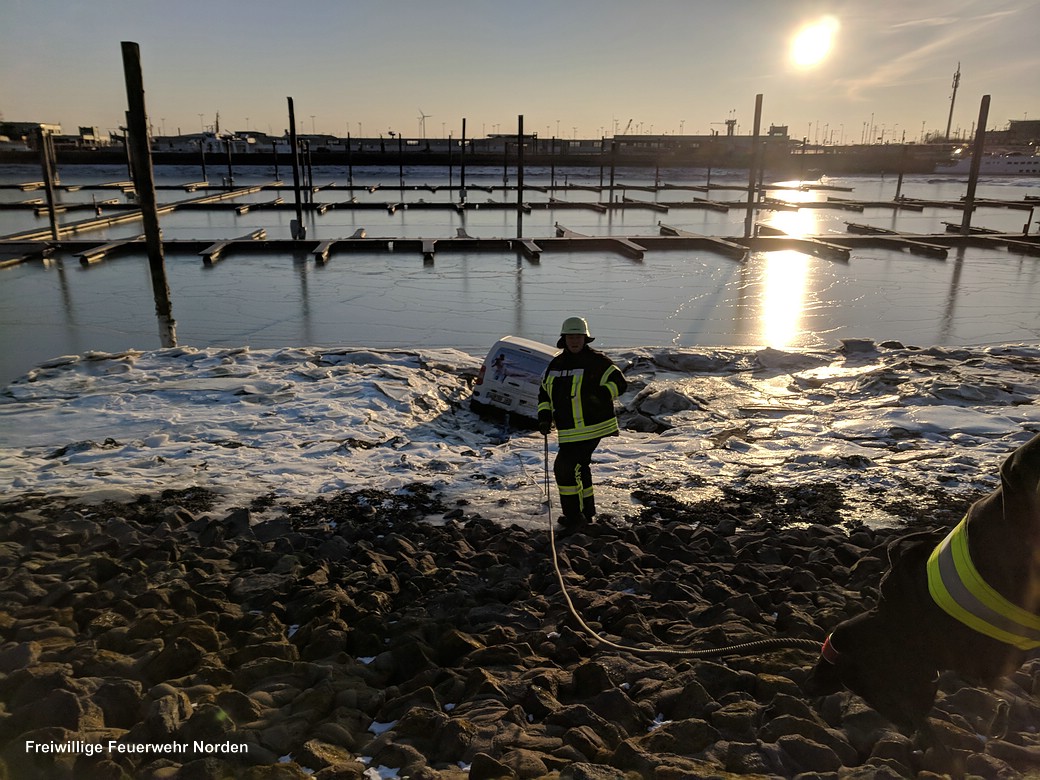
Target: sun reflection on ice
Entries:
(784, 280)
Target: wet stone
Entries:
(432, 647)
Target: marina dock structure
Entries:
(634, 247)
(38, 243)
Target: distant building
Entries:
(93, 138)
(8, 145)
(25, 132)
(1024, 131)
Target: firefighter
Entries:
(577, 394)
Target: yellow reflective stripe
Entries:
(983, 591)
(547, 384)
(576, 411)
(605, 382)
(569, 490)
(596, 431)
(957, 588)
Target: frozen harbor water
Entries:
(884, 425)
(467, 300)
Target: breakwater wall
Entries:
(837, 162)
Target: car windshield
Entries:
(516, 366)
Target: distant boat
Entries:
(1009, 164)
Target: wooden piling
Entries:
(902, 167)
(520, 176)
(400, 162)
(299, 230)
(505, 164)
(350, 163)
(310, 166)
(462, 165)
(552, 167)
(749, 219)
(144, 184)
(47, 164)
(451, 168)
(230, 172)
(976, 161)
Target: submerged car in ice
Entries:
(509, 379)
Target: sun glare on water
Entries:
(811, 44)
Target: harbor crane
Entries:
(731, 126)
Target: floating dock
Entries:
(39, 243)
(833, 247)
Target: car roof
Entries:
(528, 344)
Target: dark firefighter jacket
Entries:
(578, 393)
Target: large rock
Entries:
(430, 646)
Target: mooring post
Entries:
(462, 165)
(613, 164)
(505, 164)
(54, 160)
(310, 167)
(350, 166)
(749, 219)
(202, 149)
(902, 170)
(144, 184)
(298, 229)
(552, 168)
(602, 152)
(274, 151)
(451, 172)
(400, 163)
(759, 191)
(976, 161)
(47, 164)
(230, 173)
(520, 176)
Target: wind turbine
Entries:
(422, 122)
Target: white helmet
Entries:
(576, 326)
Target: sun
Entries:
(811, 44)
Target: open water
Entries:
(467, 300)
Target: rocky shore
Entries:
(352, 637)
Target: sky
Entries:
(581, 68)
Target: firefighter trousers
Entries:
(573, 472)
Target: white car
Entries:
(510, 377)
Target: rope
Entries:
(745, 648)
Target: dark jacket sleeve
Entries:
(614, 380)
(544, 402)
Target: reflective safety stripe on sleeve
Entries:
(957, 587)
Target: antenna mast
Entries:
(953, 99)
